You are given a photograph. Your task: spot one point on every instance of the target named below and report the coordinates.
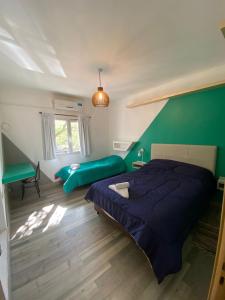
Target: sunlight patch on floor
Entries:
(37, 218)
(56, 217)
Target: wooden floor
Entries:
(61, 249)
(207, 230)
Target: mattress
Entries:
(166, 199)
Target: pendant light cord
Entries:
(99, 77)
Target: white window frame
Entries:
(69, 135)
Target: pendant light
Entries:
(100, 98)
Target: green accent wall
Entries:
(197, 118)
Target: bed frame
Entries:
(101, 211)
(202, 156)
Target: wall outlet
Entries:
(220, 183)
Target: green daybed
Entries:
(90, 172)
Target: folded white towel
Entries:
(122, 191)
(75, 166)
(122, 185)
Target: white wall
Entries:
(4, 258)
(20, 107)
(129, 124)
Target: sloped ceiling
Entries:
(58, 45)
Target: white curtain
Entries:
(48, 136)
(84, 135)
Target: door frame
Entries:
(217, 285)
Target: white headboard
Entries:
(203, 156)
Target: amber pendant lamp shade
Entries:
(100, 98)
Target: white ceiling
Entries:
(58, 45)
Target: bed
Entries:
(91, 171)
(166, 198)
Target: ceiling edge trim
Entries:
(174, 94)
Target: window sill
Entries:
(67, 153)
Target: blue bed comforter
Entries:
(165, 200)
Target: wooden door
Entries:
(217, 286)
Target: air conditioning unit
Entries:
(70, 105)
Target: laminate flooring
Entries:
(61, 249)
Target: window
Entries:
(67, 136)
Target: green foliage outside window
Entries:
(67, 136)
